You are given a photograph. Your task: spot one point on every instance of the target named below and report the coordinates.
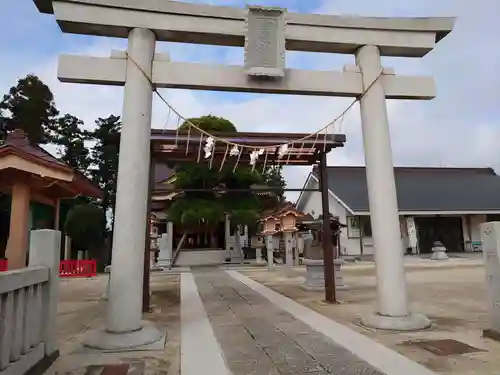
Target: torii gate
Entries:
(265, 33)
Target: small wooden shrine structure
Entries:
(30, 175)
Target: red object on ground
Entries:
(77, 268)
(4, 265)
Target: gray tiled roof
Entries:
(423, 189)
(161, 173)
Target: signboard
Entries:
(265, 42)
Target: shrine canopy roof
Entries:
(174, 147)
(48, 177)
(285, 209)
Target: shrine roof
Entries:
(173, 147)
(18, 144)
(423, 189)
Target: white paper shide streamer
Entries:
(254, 156)
(209, 146)
(283, 150)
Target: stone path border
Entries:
(200, 351)
(377, 355)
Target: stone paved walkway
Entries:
(258, 338)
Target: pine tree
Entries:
(29, 106)
(104, 158)
(70, 135)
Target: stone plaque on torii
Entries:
(259, 29)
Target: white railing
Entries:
(28, 307)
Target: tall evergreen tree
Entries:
(206, 209)
(30, 106)
(273, 178)
(70, 135)
(104, 158)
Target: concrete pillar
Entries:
(227, 233)
(300, 246)
(411, 229)
(67, 248)
(490, 237)
(270, 253)
(258, 255)
(166, 246)
(392, 309)
(124, 326)
(288, 237)
(295, 242)
(45, 247)
(17, 244)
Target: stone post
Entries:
(45, 247)
(270, 252)
(165, 245)
(295, 243)
(258, 254)
(67, 248)
(288, 252)
(124, 326)
(490, 236)
(300, 247)
(105, 295)
(392, 306)
(412, 233)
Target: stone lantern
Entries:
(314, 261)
(288, 220)
(270, 224)
(439, 251)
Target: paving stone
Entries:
(258, 338)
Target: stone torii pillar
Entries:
(392, 304)
(124, 326)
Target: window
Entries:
(353, 230)
(358, 226)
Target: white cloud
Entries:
(458, 128)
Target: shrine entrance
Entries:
(266, 34)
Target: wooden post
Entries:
(17, 243)
(147, 245)
(328, 249)
(57, 216)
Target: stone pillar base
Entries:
(146, 338)
(164, 262)
(411, 322)
(315, 275)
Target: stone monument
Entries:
(490, 236)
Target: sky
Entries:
(460, 128)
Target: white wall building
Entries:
(445, 204)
